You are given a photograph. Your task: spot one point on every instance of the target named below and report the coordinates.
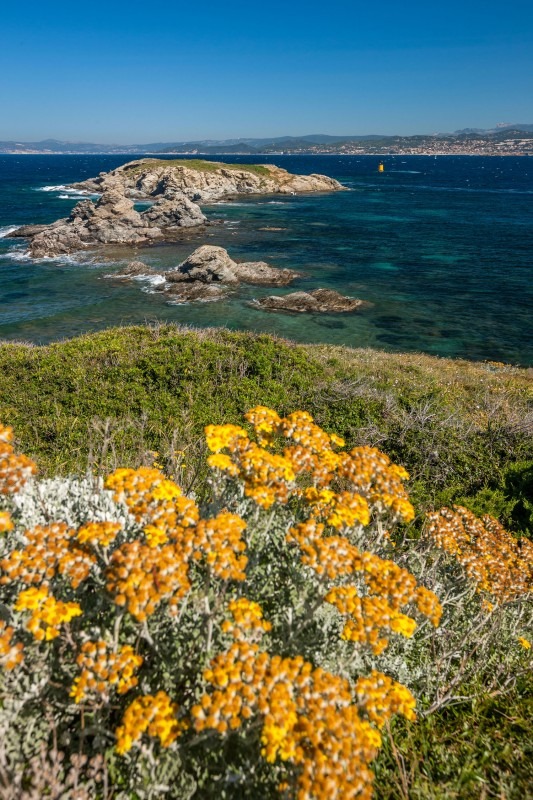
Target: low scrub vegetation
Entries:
(463, 430)
(289, 628)
(200, 165)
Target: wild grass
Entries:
(200, 165)
(463, 430)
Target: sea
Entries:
(441, 248)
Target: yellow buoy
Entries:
(381, 167)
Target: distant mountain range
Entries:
(515, 137)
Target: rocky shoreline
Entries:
(174, 190)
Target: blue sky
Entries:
(157, 71)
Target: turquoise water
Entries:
(442, 248)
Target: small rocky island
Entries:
(174, 187)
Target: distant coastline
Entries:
(377, 154)
(516, 140)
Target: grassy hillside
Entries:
(134, 395)
(463, 430)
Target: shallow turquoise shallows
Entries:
(442, 248)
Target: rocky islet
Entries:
(174, 189)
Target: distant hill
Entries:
(503, 134)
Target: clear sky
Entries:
(155, 71)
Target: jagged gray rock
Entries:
(262, 274)
(174, 211)
(210, 264)
(207, 264)
(321, 300)
(113, 220)
(26, 231)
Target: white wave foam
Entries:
(18, 255)
(7, 229)
(188, 302)
(151, 280)
(60, 188)
(68, 191)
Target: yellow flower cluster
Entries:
(310, 718)
(140, 577)
(248, 619)
(219, 541)
(374, 483)
(388, 587)
(101, 534)
(331, 556)
(372, 475)
(6, 523)
(11, 655)
(48, 614)
(152, 714)
(50, 550)
(498, 563)
(15, 469)
(369, 616)
(324, 730)
(102, 668)
(380, 698)
(154, 500)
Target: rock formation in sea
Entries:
(210, 264)
(321, 300)
(176, 188)
(208, 274)
(204, 181)
(113, 220)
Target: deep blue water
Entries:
(441, 247)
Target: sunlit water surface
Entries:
(442, 248)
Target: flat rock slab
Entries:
(133, 270)
(318, 300)
(195, 290)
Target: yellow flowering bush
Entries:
(257, 642)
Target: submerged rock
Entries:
(321, 300)
(195, 290)
(134, 269)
